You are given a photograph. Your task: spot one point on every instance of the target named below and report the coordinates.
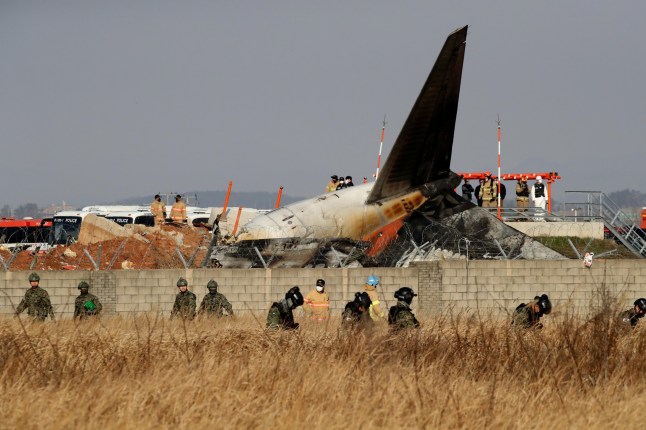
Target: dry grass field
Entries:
(458, 371)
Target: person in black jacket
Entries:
(467, 190)
(477, 192)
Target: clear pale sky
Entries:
(101, 100)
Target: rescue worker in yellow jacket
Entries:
(522, 194)
(489, 192)
(375, 311)
(331, 186)
(317, 302)
(158, 210)
(178, 211)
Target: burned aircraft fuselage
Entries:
(417, 168)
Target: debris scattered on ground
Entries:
(157, 250)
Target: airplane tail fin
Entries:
(422, 151)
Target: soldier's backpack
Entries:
(392, 315)
(519, 309)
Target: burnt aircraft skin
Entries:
(416, 170)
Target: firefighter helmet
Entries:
(372, 280)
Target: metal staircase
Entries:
(623, 227)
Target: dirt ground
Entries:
(159, 253)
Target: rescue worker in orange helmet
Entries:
(370, 287)
(317, 302)
(158, 210)
(178, 211)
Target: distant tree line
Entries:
(628, 198)
(23, 211)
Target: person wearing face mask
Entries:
(317, 302)
(538, 196)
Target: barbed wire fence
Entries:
(432, 240)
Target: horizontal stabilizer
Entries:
(422, 151)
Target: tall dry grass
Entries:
(458, 371)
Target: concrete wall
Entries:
(592, 229)
(491, 286)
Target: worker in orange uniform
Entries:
(178, 211)
(317, 302)
(375, 311)
(158, 210)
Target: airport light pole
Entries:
(498, 121)
(381, 144)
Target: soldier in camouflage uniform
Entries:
(214, 303)
(400, 316)
(280, 314)
(529, 315)
(356, 313)
(185, 302)
(632, 316)
(36, 301)
(86, 305)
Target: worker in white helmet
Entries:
(538, 197)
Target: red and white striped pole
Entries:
(499, 216)
(381, 144)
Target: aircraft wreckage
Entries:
(411, 207)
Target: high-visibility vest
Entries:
(539, 190)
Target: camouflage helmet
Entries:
(212, 285)
(181, 282)
(405, 294)
(641, 304)
(83, 284)
(362, 299)
(294, 297)
(33, 277)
